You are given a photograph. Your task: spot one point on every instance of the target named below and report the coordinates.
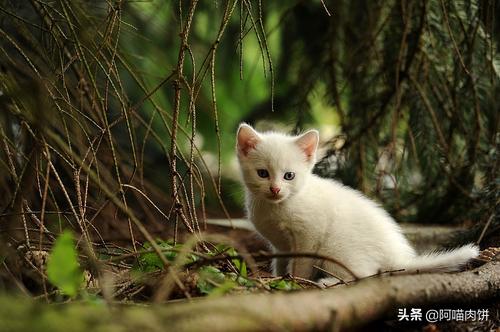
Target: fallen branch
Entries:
(343, 307)
(339, 308)
(263, 256)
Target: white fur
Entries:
(312, 214)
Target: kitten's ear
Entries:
(247, 139)
(308, 142)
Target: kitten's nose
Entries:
(274, 190)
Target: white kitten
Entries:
(299, 211)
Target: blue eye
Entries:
(289, 176)
(263, 173)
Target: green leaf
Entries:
(150, 261)
(210, 278)
(239, 264)
(63, 269)
(242, 281)
(284, 284)
(225, 288)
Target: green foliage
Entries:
(283, 284)
(213, 281)
(411, 86)
(150, 261)
(63, 269)
(211, 278)
(239, 264)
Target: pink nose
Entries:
(275, 190)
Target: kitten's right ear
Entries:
(247, 139)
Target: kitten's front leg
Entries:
(302, 267)
(279, 266)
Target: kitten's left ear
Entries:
(308, 142)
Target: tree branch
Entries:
(339, 308)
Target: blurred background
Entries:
(118, 118)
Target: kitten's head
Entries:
(275, 166)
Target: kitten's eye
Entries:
(263, 173)
(289, 176)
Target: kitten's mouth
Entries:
(275, 198)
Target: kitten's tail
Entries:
(443, 261)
